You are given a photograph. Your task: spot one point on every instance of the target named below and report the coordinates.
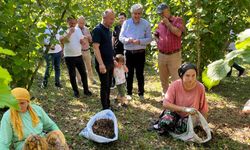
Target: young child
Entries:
(120, 79)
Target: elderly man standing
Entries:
(168, 38)
(73, 42)
(104, 53)
(135, 35)
(86, 55)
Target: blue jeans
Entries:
(53, 59)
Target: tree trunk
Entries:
(198, 42)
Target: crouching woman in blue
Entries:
(30, 121)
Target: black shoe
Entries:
(125, 105)
(58, 85)
(162, 132)
(87, 93)
(76, 94)
(113, 108)
(241, 72)
(104, 108)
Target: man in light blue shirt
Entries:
(135, 35)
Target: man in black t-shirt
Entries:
(104, 53)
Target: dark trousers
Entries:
(73, 63)
(135, 61)
(237, 67)
(106, 80)
(53, 59)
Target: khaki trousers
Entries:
(168, 66)
(86, 56)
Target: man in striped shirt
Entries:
(168, 38)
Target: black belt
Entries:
(135, 51)
(85, 50)
(171, 52)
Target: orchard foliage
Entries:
(218, 70)
(6, 99)
(22, 23)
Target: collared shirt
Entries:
(73, 47)
(118, 45)
(168, 41)
(103, 36)
(48, 33)
(139, 31)
(85, 32)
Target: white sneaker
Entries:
(112, 87)
(129, 97)
(162, 95)
(156, 126)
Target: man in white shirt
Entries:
(73, 41)
(53, 56)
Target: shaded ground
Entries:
(231, 131)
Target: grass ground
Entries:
(231, 130)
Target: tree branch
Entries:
(47, 48)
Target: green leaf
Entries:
(6, 99)
(209, 83)
(6, 52)
(9, 101)
(218, 70)
(189, 13)
(244, 35)
(5, 77)
(245, 45)
(41, 24)
(233, 54)
(243, 41)
(4, 88)
(148, 10)
(245, 56)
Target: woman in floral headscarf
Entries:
(17, 126)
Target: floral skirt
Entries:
(171, 121)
